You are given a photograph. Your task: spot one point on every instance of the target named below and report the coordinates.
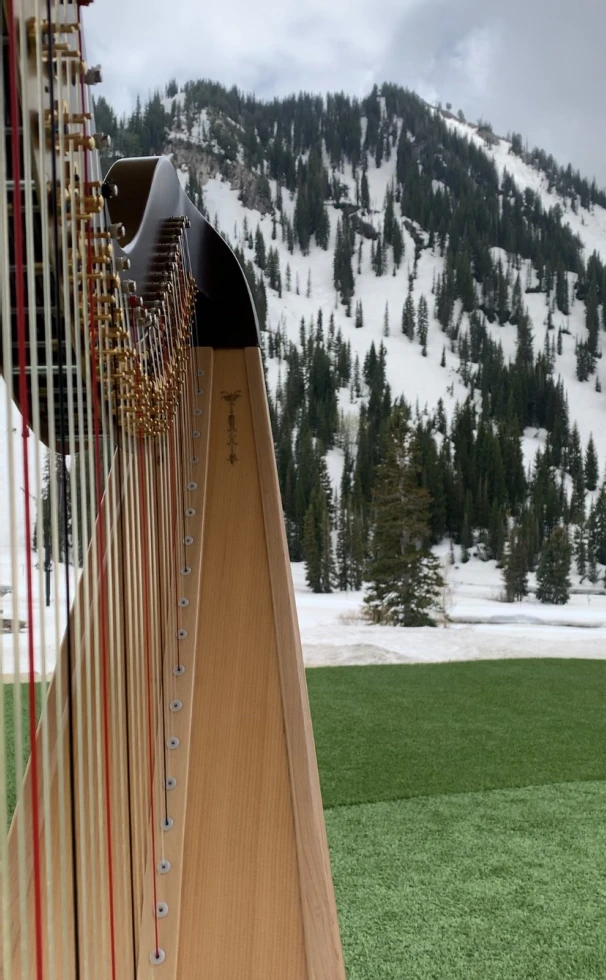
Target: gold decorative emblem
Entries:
(231, 398)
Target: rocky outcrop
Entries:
(253, 187)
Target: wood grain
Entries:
(257, 898)
(320, 922)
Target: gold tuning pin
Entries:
(117, 230)
(93, 75)
(85, 142)
(50, 27)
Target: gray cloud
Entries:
(533, 66)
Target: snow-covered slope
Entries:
(331, 624)
(420, 379)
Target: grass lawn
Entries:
(466, 815)
(7, 774)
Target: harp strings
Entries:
(20, 269)
(109, 504)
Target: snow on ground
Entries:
(480, 627)
(589, 225)
(477, 625)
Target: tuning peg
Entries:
(93, 76)
(117, 229)
(102, 141)
(109, 189)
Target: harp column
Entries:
(256, 897)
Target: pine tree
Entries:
(344, 575)
(379, 257)
(312, 549)
(357, 379)
(553, 582)
(398, 246)
(580, 551)
(466, 538)
(496, 531)
(327, 565)
(308, 293)
(515, 569)
(404, 576)
(591, 466)
(358, 545)
(408, 316)
(386, 321)
(422, 324)
(364, 195)
(317, 543)
(343, 276)
(440, 421)
(359, 321)
(260, 253)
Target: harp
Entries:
(160, 809)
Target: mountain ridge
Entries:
(506, 247)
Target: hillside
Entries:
(347, 216)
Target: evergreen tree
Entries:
(515, 569)
(327, 567)
(359, 320)
(364, 195)
(580, 551)
(404, 576)
(344, 570)
(553, 582)
(398, 246)
(408, 316)
(342, 269)
(496, 531)
(440, 421)
(317, 543)
(260, 252)
(466, 536)
(592, 320)
(422, 324)
(591, 466)
(379, 257)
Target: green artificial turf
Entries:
(499, 885)
(466, 817)
(8, 764)
(389, 732)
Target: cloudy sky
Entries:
(533, 66)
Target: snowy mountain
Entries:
(250, 164)
(348, 216)
(420, 379)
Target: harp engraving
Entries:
(232, 433)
